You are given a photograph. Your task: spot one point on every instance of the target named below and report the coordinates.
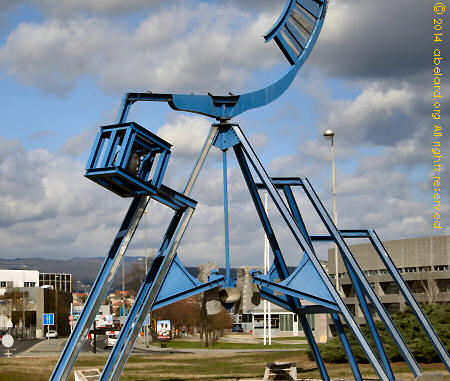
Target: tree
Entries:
(439, 316)
(16, 303)
(191, 312)
(431, 289)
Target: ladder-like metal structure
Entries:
(131, 161)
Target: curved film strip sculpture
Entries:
(131, 161)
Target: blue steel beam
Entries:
(104, 278)
(149, 290)
(348, 256)
(337, 322)
(228, 281)
(144, 300)
(99, 289)
(303, 243)
(369, 319)
(409, 297)
(227, 106)
(278, 257)
(345, 343)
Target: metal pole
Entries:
(225, 216)
(266, 242)
(333, 182)
(123, 288)
(267, 264)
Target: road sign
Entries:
(49, 319)
(147, 320)
(7, 341)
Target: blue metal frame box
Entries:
(123, 157)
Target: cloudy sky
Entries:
(65, 64)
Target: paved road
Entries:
(19, 346)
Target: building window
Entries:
(441, 268)
(424, 268)
(332, 276)
(29, 284)
(3, 284)
(389, 288)
(286, 322)
(373, 272)
(383, 271)
(311, 321)
(246, 318)
(410, 269)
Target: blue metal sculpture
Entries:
(131, 161)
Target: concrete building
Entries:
(23, 303)
(423, 262)
(18, 278)
(59, 281)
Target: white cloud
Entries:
(371, 116)
(200, 48)
(186, 133)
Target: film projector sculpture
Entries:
(130, 161)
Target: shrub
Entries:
(407, 324)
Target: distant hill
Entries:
(83, 269)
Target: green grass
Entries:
(186, 344)
(186, 366)
(286, 338)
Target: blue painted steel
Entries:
(99, 289)
(48, 319)
(369, 320)
(280, 182)
(155, 277)
(409, 297)
(228, 106)
(179, 284)
(146, 297)
(226, 138)
(279, 263)
(228, 281)
(348, 350)
(350, 260)
(303, 243)
(296, 213)
(126, 162)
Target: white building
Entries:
(37, 294)
(18, 278)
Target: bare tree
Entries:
(17, 302)
(431, 289)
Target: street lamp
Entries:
(329, 135)
(140, 265)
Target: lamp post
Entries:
(329, 135)
(140, 260)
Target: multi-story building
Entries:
(59, 281)
(18, 278)
(24, 298)
(422, 262)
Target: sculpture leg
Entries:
(303, 243)
(99, 289)
(346, 345)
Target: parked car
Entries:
(51, 333)
(111, 338)
(2, 333)
(237, 328)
